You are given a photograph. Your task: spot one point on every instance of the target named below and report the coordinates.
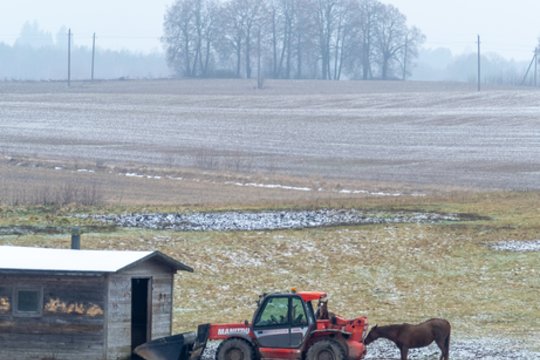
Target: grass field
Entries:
(391, 273)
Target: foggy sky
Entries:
(119, 24)
(510, 28)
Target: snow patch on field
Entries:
(516, 245)
(137, 175)
(242, 258)
(257, 184)
(303, 188)
(470, 349)
(270, 186)
(266, 220)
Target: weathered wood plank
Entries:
(83, 317)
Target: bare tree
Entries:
(344, 37)
(368, 13)
(240, 19)
(305, 40)
(282, 24)
(413, 39)
(252, 8)
(325, 39)
(189, 33)
(207, 30)
(335, 27)
(390, 38)
(232, 27)
(325, 14)
(178, 36)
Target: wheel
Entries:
(326, 350)
(235, 349)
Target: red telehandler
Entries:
(284, 326)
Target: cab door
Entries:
(281, 322)
(271, 324)
(299, 321)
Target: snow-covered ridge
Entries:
(268, 220)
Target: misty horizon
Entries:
(509, 29)
(437, 59)
(432, 64)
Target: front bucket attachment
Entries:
(175, 347)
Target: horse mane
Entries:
(389, 330)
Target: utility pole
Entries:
(535, 67)
(478, 40)
(69, 58)
(93, 55)
(529, 67)
(405, 57)
(259, 74)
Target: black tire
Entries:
(326, 350)
(235, 349)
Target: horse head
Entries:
(372, 335)
(322, 309)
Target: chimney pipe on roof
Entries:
(75, 238)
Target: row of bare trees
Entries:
(323, 39)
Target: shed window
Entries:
(28, 302)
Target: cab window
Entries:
(274, 313)
(298, 314)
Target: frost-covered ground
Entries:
(267, 220)
(517, 245)
(470, 349)
(416, 133)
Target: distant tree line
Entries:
(441, 65)
(19, 62)
(37, 55)
(322, 39)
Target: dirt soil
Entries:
(420, 134)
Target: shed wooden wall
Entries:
(84, 317)
(118, 322)
(70, 327)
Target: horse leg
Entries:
(444, 345)
(446, 351)
(404, 352)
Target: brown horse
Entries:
(322, 312)
(407, 336)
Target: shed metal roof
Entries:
(15, 258)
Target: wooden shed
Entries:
(68, 304)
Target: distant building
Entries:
(67, 304)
